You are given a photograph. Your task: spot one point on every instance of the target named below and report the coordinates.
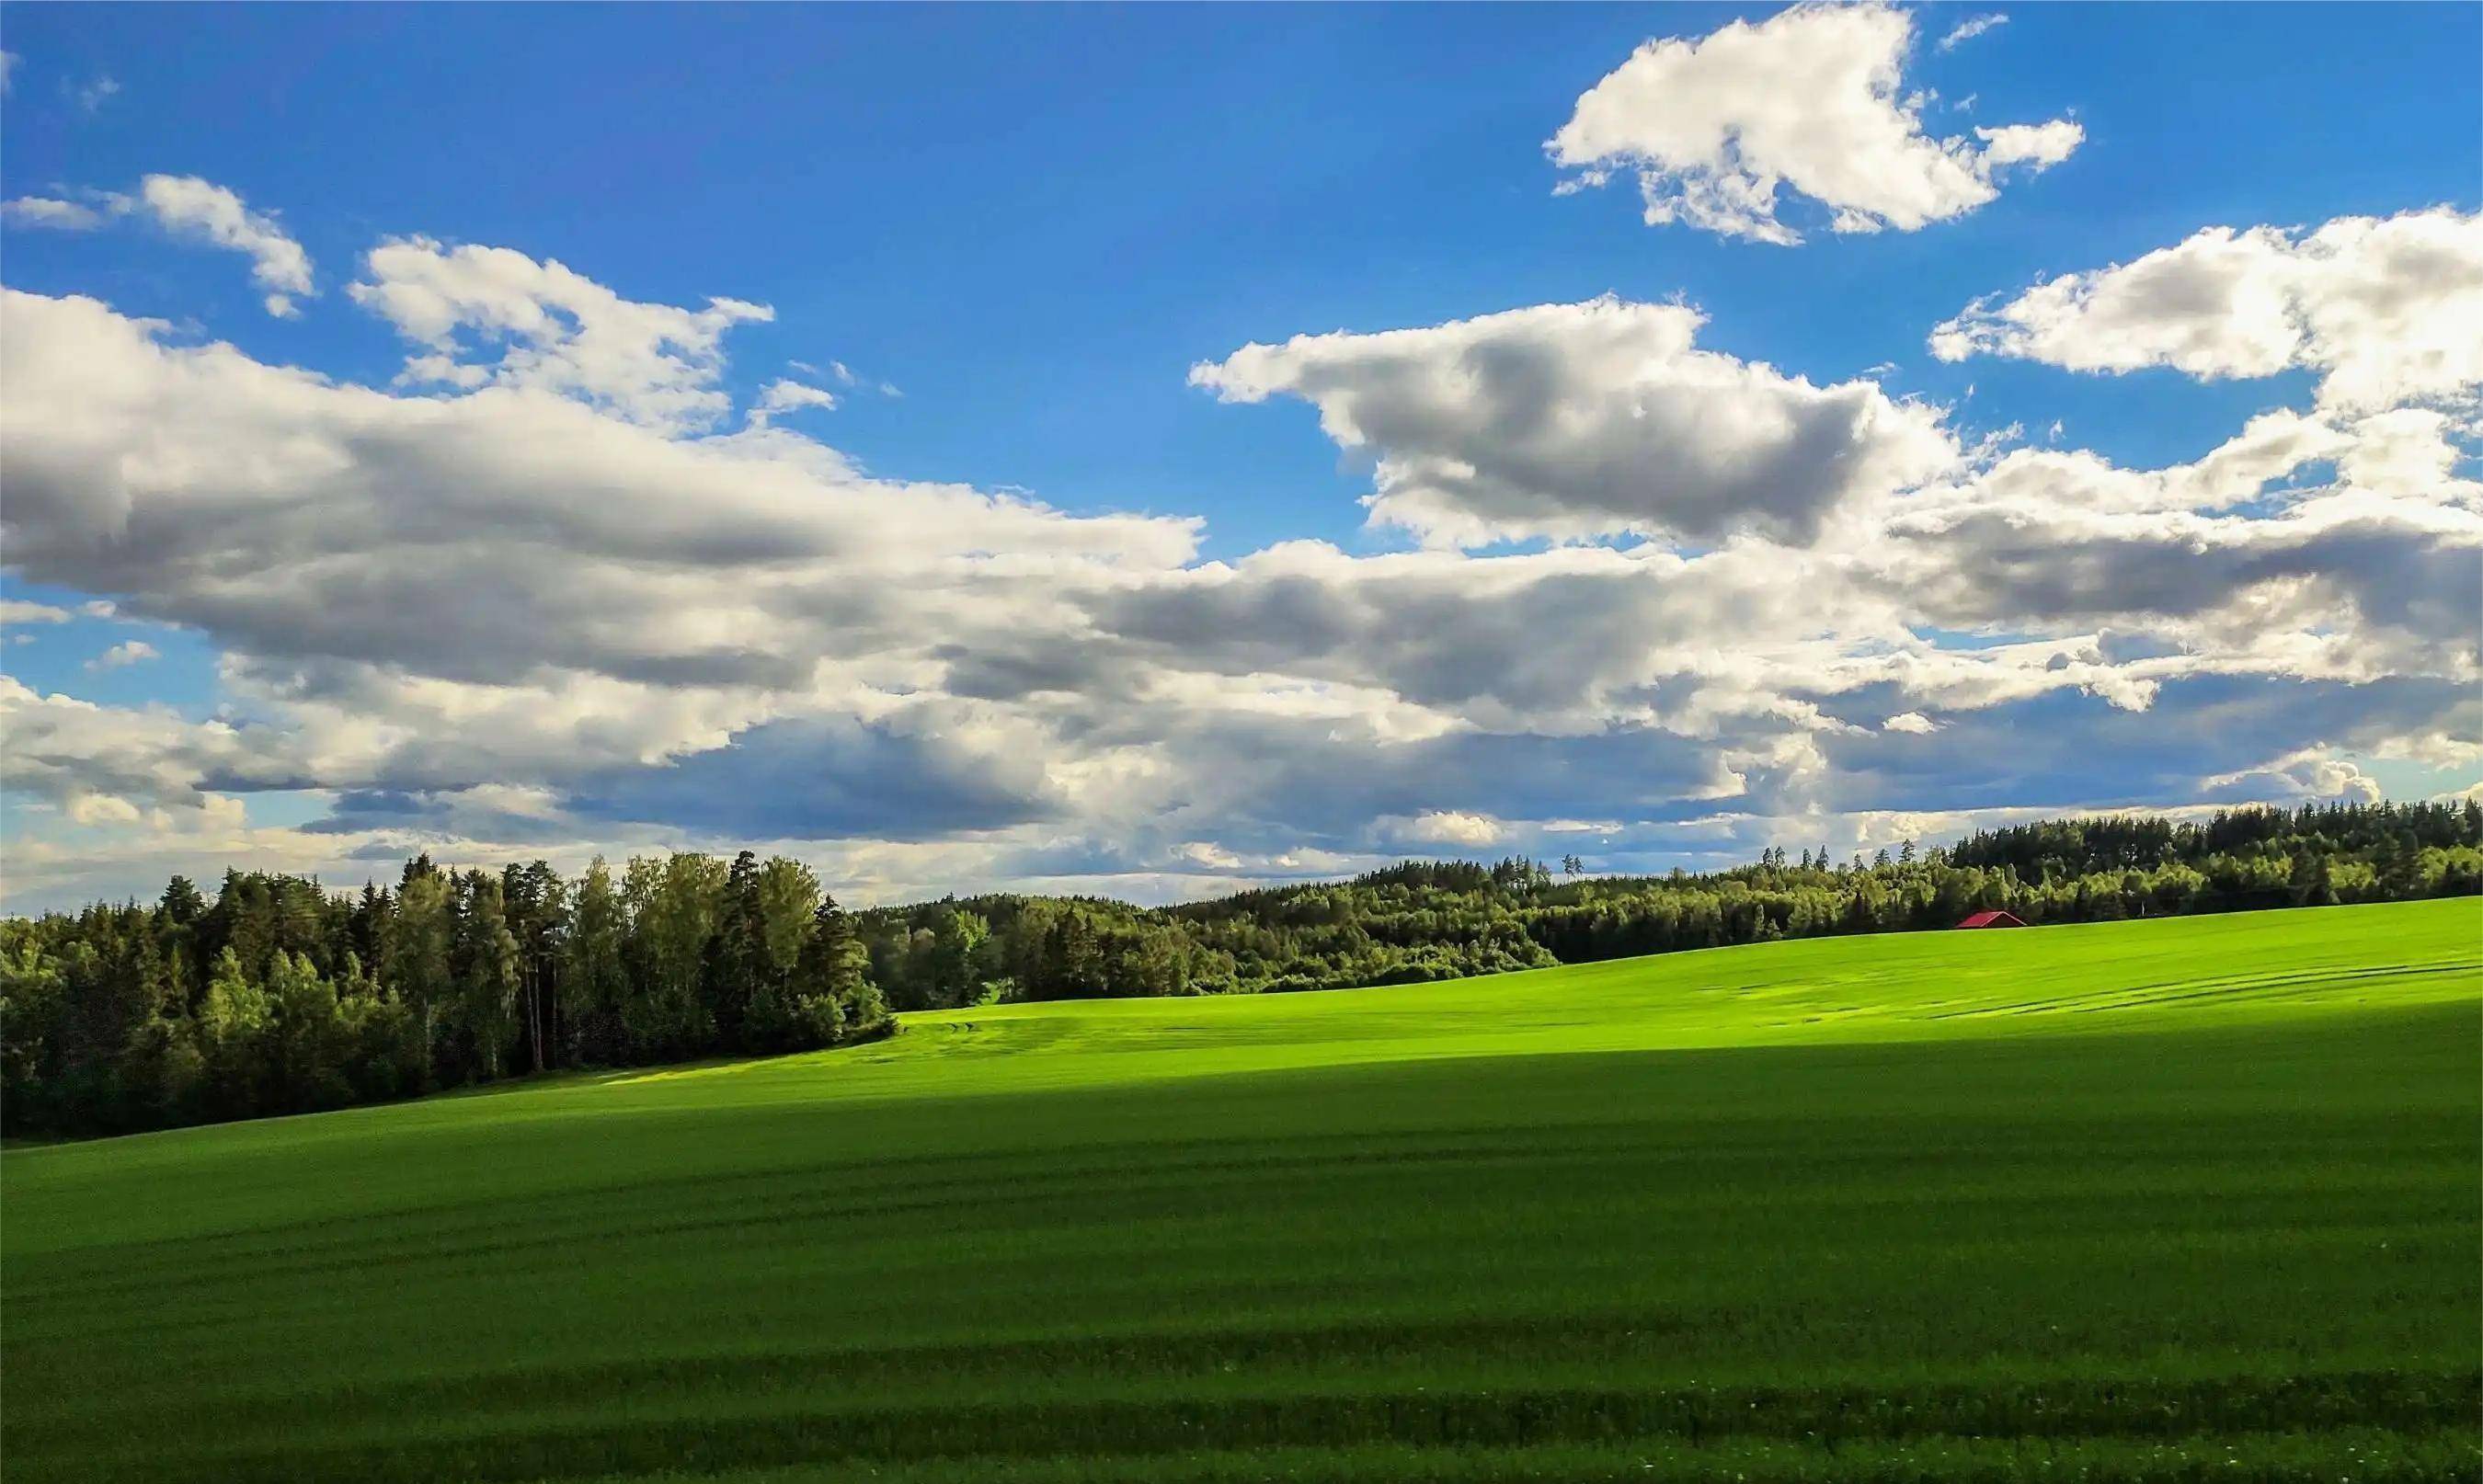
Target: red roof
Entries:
(1991, 919)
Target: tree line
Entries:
(280, 996)
(283, 997)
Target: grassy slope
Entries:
(2136, 1200)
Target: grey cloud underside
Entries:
(405, 818)
(1267, 787)
(2068, 750)
(1547, 640)
(824, 779)
(1516, 636)
(1588, 419)
(2423, 582)
(828, 779)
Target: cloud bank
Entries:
(546, 594)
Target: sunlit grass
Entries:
(2172, 1200)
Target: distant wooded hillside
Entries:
(281, 995)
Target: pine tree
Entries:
(845, 968)
(740, 958)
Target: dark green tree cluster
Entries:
(280, 996)
(283, 997)
(1406, 924)
(989, 948)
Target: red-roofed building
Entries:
(1993, 919)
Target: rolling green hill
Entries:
(2184, 1198)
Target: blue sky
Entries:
(1020, 229)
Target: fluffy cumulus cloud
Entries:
(309, 524)
(2381, 310)
(129, 651)
(187, 206)
(1450, 827)
(1812, 102)
(2308, 773)
(2376, 571)
(488, 316)
(782, 396)
(66, 753)
(18, 610)
(1591, 420)
(548, 595)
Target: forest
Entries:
(279, 996)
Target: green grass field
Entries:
(2180, 1200)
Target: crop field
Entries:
(2193, 1199)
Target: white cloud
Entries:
(1971, 27)
(188, 206)
(2230, 563)
(783, 396)
(17, 609)
(61, 749)
(374, 564)
(91, 95)
(2385, 310)
(844, 376)
(51, 213)
(1587, 419)
(102, 809)
(129, 651)
(1914, 722)
(2308, 773)
(1207, 853)
(1451, 827)
(2039, 144)
(9, 60)
(554, 330)
(1809, 100)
